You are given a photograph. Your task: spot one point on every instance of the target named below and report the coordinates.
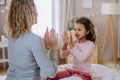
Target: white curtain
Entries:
(62, 12)
(44, 10)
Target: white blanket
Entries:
(99, 72)
(71, 78)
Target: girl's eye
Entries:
(74, 29)
(79, 29)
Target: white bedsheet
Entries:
(99, 72)
(72, 78)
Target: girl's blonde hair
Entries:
(21, 17)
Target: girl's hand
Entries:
(71, 41)
(53, 39)
(65, 38)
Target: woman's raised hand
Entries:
(46, 39)
(51, 38)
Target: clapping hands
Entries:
(71, 41)
(67, 40)
(51, 39)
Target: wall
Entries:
(3, 14)
(100, 22)
(119, 34)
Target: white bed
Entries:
(99, 72)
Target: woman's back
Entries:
(21, 59)
(27, 57)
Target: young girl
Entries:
(81, 50)
(26, 51)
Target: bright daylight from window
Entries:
(44, 9)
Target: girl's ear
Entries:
(88, 32)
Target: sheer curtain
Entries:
(44, 9)
(62, 12)
(53, 14)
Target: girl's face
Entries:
(80, 32)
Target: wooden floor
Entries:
(3, 71)
(108, 63)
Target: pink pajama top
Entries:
(81, 56)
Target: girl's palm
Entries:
(65, 37)
(71, 41)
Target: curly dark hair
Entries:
(88, 26)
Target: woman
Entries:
(26, 51)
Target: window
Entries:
(44, 9)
